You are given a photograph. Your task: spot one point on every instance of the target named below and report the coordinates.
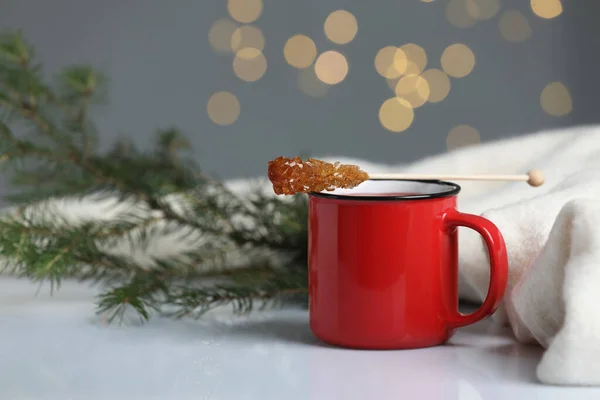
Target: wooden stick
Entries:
(534, 177)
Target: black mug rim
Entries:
(454, 190)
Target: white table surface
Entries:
(55, 348)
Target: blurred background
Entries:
(388, 81)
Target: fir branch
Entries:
(48, 147)
(141, 293)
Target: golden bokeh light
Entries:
(220, 34)
(249, 64)
(417, 58)
(223, 108)
(399, 63)
(396, 114)
(439, 84)
(247, 36)
(245, 11)
(331, 67)
(300, 51)
(462, 136)
(482, 9)
(390, 62)
(309, 84)
(458, 15)
(556, 100)
(427, 1)
(547, 9)
(341, 27)
(458, 60)
(514, 27)
(414, 89)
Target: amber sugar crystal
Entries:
(292, 175)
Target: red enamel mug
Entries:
(383, 264)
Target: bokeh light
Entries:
(245, 11)
(458, 60)
(220, 34)
(439, 84)
(482, 9)
(458, 15)
(417, 58)
(546, 9)
(247, 36)
(462, 136)
(249, 64)
(223, 108)
(514, 27)
(331, 67)
(556, 100)
(396, 114)
(414, 89)
(341, 27)
(391, 62)
(403, 67)
(300, 51)
(309, 84)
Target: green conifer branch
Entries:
(49, 149)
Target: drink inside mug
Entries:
(397, 189)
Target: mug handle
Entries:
(498, 265)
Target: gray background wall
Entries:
(162, 71)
